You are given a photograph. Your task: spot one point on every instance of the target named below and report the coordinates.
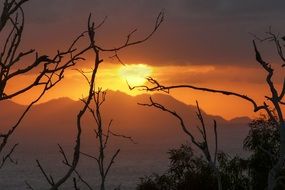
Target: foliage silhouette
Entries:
(263, 141)
(202, 145)
(274, 101)
(189, 171)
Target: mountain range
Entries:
(154, 133)
(55, 121)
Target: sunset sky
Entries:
(205, 43)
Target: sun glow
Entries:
(135, 74)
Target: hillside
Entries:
(54, 121)
(155, 132)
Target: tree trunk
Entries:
(102, 184)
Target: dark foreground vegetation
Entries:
(188, 170)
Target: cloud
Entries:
(209, 75)
(187, 9)
(202, 32)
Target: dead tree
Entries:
(103, 135)
(15, 63)
(97, 50)
(273, 102)
(203, 145)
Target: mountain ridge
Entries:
(55, 121)
(67, 100)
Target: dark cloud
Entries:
(200, 32)
(215, 75)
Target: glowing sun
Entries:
(135, 74)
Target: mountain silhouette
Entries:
(55, 121)
(154, 131)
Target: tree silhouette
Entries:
(264, 144)
(15, 63)
(272, 102)
(92, 93)
(103, 134)
(203, 145)
(189, 171)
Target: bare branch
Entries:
(200, 117)
(65, 160)
(49, 179)
(216, 142)
(75, 184)
(8, 10)
(67, 163)
(83, 180)
(29, 186)
(101, 23)
(116, 56)
(282, 91)
(173, 113)
(51, 69)
(8, 156)
(202, 146)
(83, 73)
(89, 156)
(124, 136)
(158, 87)
(275, 39)
(111, 162)
(97, 97)
(12, 130)
(128, 42)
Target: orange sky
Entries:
(203, 43)
(113, 76)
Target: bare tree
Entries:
(203, 145)
(103, 135)
(273, 102)
(97, 50)
(15, 63)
